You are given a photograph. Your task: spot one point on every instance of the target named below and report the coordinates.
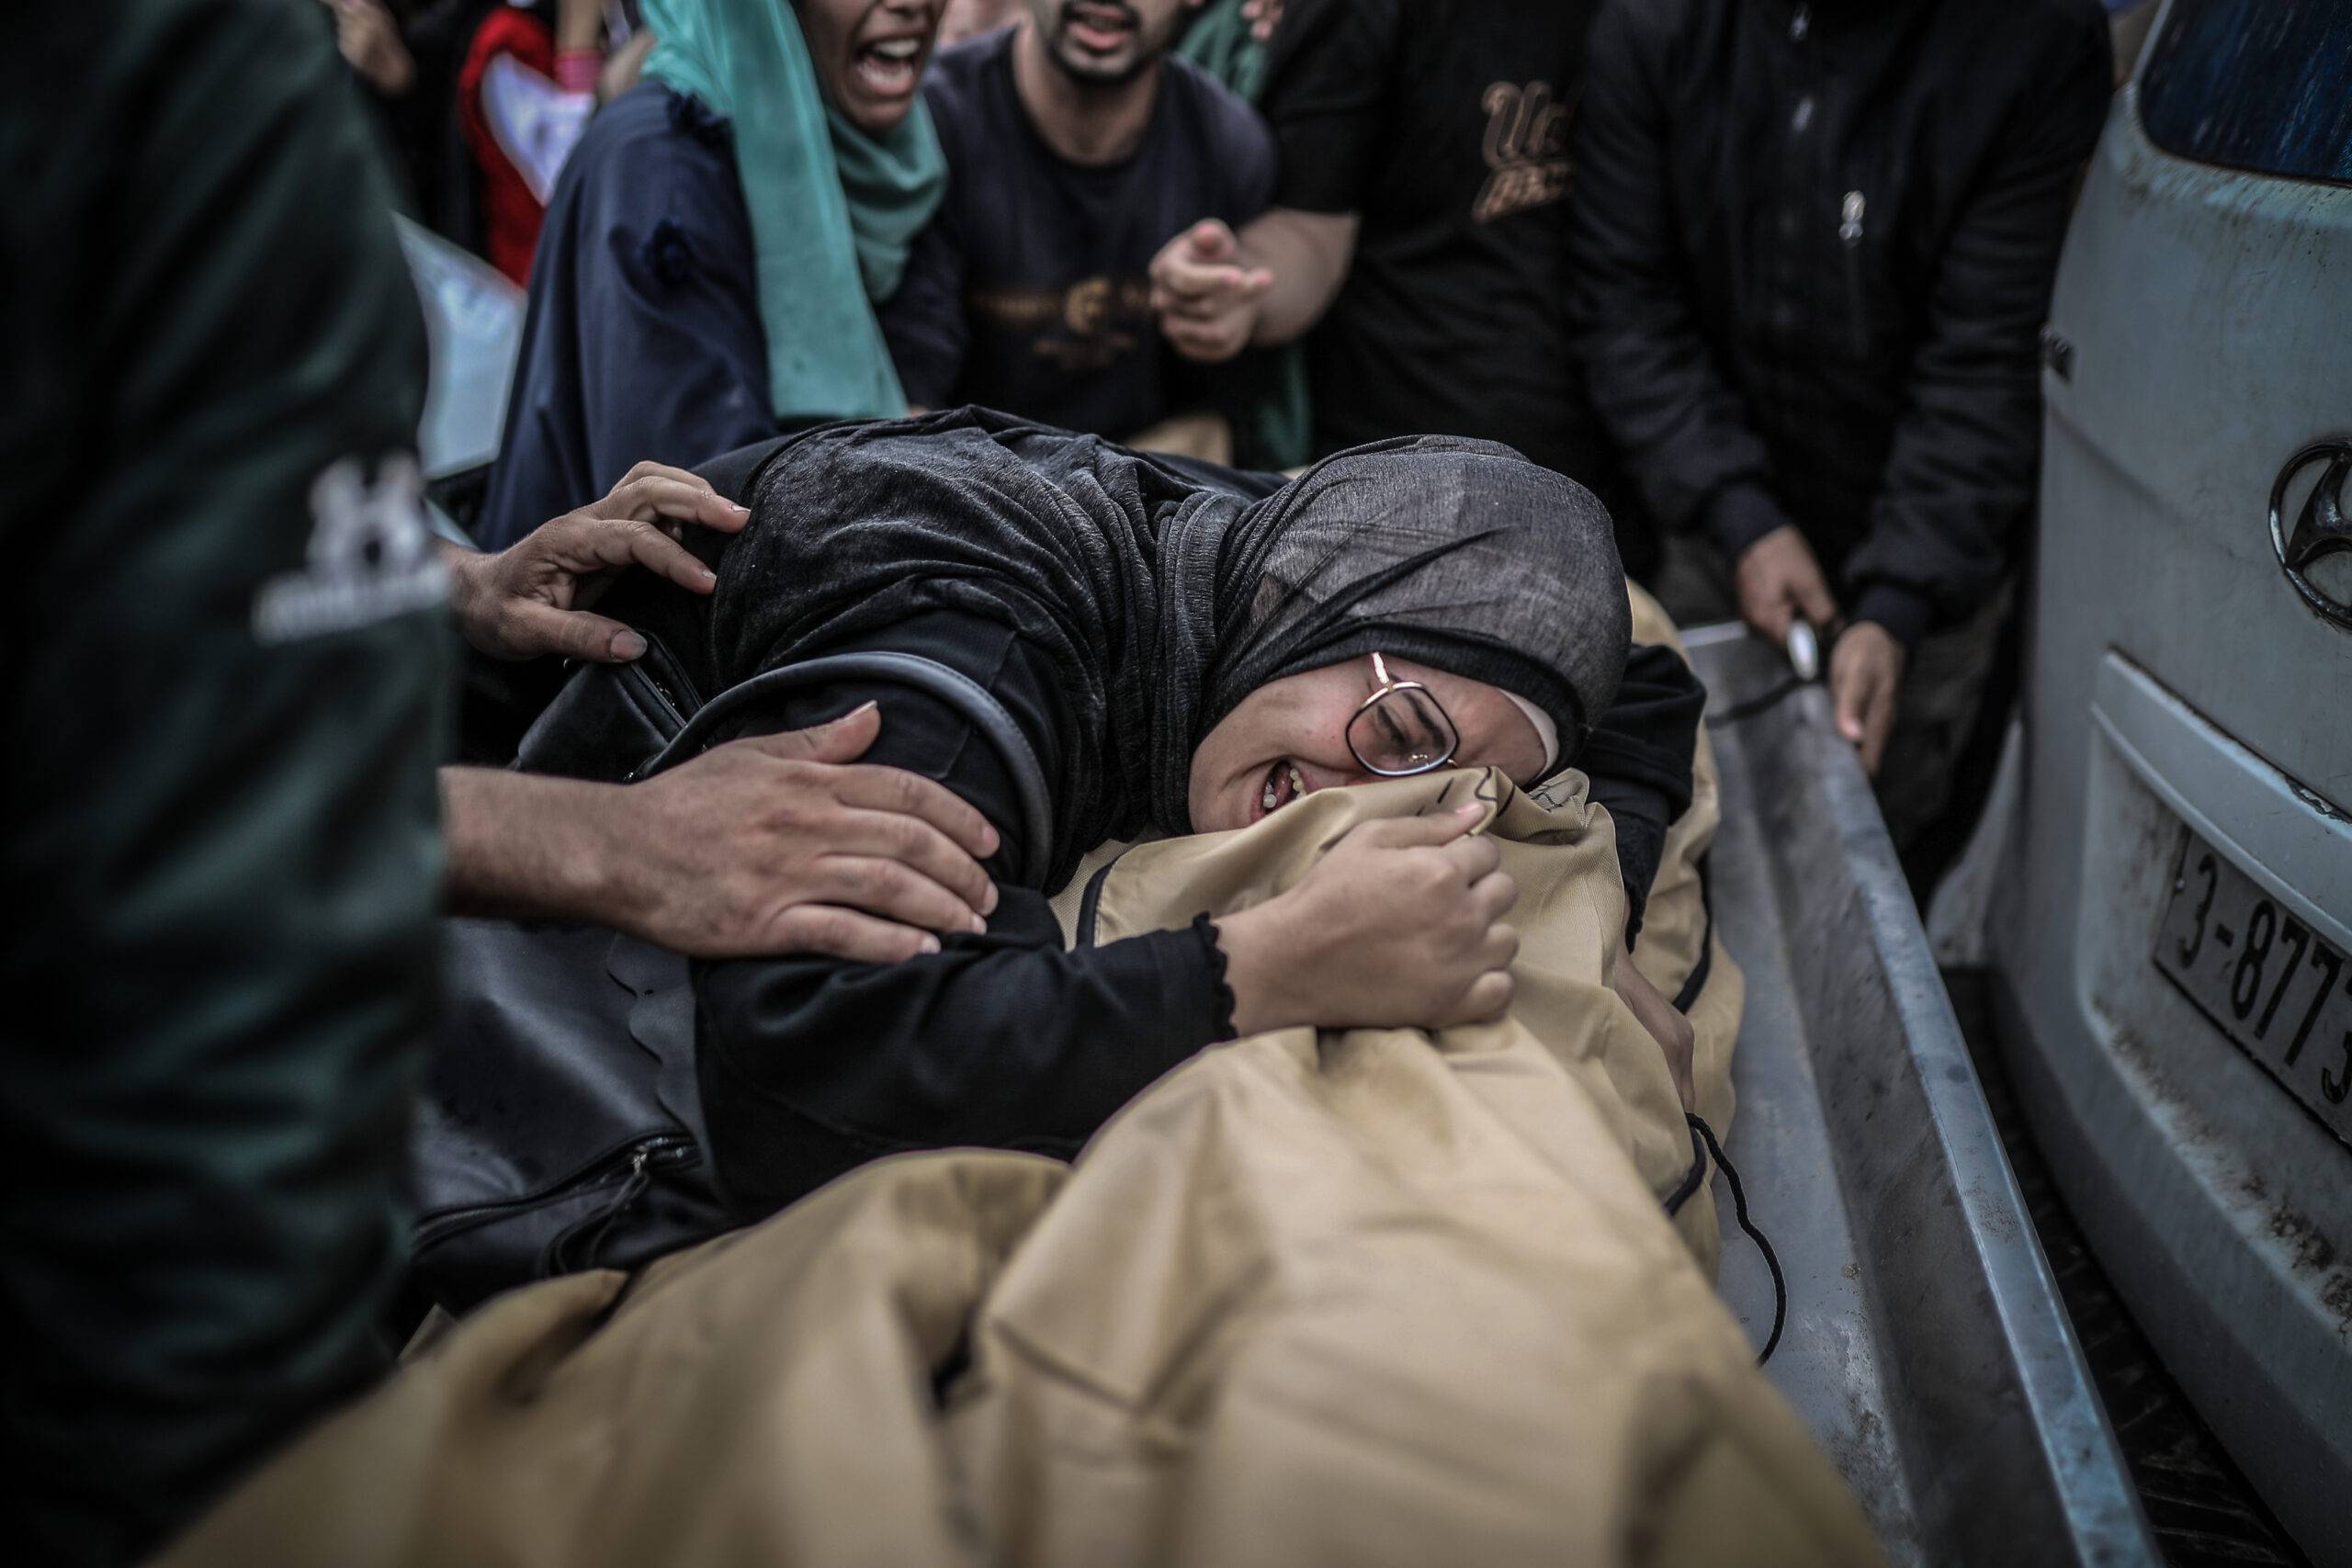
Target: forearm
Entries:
(1308, 254)
(579, 25)
(1263, 972)
(529, 847)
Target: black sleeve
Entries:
(1639, 760)
(811, 1065)
(923, 321)
(1327, 77)
(1244, 163)
(1683, 428)
(1961, 469)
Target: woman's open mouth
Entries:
(889, 68)
(1282, 785)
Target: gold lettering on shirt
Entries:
(1090, 325)
(1526, 149)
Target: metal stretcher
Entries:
(1925, 1344)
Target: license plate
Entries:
(2280, 992)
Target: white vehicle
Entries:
(2172, 928)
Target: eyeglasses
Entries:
(1400, 729)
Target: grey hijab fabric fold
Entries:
(1166, 597)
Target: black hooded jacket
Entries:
(1812, 250)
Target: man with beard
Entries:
(1076, 150)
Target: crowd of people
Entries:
(1261, 233)
(1738, 297)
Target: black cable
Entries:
(1753, 706)
(1692, 1180)
(1740, 1211)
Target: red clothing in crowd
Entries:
(511, 211)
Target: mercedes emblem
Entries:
(2321, 526)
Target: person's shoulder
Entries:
(956, 85)
(654, 120)
(1223, 117)
(968, 87)
(654, 142)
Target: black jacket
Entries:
(1811, 249)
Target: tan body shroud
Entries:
(1364, 1298)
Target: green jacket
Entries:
(223, 664)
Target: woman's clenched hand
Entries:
(1400, 926)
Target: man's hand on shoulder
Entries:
(770, 845)
(783, 843)
(532, 598)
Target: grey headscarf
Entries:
(1166, 597)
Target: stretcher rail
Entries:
(1926, 1344)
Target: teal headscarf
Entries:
(834, 210)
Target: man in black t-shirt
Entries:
(1076, 150)
(1418, 229)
